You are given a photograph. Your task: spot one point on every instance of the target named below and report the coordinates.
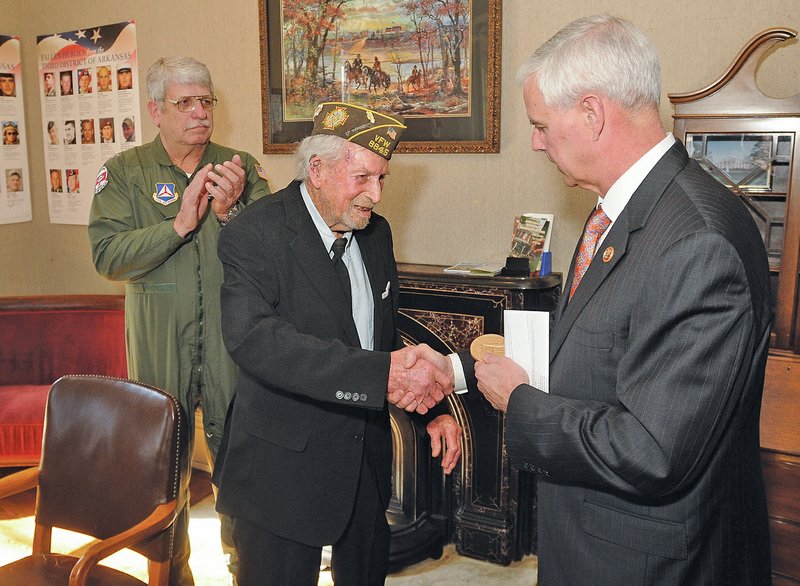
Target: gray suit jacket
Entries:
(309, 400)
(647, 447)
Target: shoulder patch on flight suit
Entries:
(261, 171)
(165, 193)
(101, 181)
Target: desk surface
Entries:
(410, 271)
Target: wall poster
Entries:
(89, 86)
(15, 195)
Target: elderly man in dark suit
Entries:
(647, 446)
(306, 456)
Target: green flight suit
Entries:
(172, 310)
(172, 307)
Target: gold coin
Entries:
(487, 344)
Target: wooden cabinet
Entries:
(749, 142)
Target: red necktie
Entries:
(597, 224)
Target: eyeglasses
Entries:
(188, 103)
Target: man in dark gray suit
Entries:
(306, 456)
(646, 449)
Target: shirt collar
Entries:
(162, 157)
(620, 193)
(325, 232)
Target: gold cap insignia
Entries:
(377, 131)
(334, 118)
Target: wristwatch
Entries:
(233, 211)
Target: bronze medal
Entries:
(487, 344)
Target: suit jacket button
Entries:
(347, 396)
(363, 397)
(339, 394)
(355, 397)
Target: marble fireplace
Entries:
(486, 508)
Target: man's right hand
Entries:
(193, 204)
(419, 377)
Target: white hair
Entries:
(179, 70)
(600, 53)
(328, 147)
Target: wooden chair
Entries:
(113, 463)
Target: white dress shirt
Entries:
(360, 290)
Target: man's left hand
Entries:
(225, 184)
(444, 431)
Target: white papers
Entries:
(486, 269)
(527, 342)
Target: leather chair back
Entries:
(113, 450)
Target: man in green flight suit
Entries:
(154, 223)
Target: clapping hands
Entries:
(419, 377)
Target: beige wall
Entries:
(443, 208)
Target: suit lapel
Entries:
(614, 247)
(313, 259)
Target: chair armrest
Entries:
(161, 518)
(19, 482)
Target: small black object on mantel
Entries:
(516, 267)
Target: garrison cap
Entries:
(375, 131)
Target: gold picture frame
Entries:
(442, 116)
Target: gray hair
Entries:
(179, 70)
(600, 53)
(328, 147)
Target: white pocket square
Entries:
(385, 294)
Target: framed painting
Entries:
(436, 62)
(740, 161)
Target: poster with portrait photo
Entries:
(15, 197)
(88, 79)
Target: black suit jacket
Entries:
(309, 400)
(647, 447)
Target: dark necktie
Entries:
(341, 270)
(595, 226)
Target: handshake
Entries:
(419, 378)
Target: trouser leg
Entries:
(226, 539)
(228, 547)
(266, 559)
(180, 574)
(361, 555)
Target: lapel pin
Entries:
(608, 254)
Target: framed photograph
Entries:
(436, 62)
(739, 160)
